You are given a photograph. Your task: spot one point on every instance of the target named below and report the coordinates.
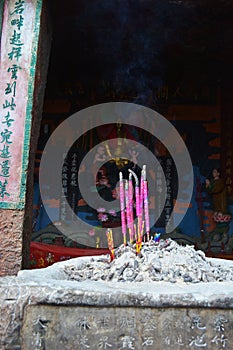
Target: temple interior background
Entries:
(174, 57)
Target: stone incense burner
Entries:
(166, 297)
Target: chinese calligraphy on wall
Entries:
(16, 76)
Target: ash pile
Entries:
(165, 261)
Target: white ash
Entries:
(158, 261)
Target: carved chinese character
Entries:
(179, 340)
(5, 171)
(14, 70)
(39, 331)
(8, 121)
(127, 342)
(18, 8)
(18, 22)
(126, 322)
(5, 153)
(10, 88)
(74, 157)
(64, 183)
(220, 324)
(16, 39)
(220, 339)
(167, 324)
(103, 343)
(196, 323)
(83, 342)
(148, 323)
(104, 322)
(148, 341)
(167, 341)
(6, 134)
(83, 324)
(3, 190)
(10, 104)
(198, 341)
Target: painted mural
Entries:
(202, 137)
(157, 54)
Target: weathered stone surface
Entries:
(11, 227)
(83, 327)
(47, 294)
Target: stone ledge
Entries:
(48, 287)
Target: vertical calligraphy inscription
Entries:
(39, 328)
(15, 76)
(220, 339)
(64, 194)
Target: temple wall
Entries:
(23, 81)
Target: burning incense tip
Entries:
(135, 177)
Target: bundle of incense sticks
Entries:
(137, 197)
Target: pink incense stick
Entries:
(146, 205)
(122, 206)
(141, 193)
(138, 230)
(127, 202)
(128, 217)
(141, 201)
(137, 193)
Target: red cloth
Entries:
(43, 255)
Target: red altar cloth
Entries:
(43, 255)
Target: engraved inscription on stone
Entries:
(124, 328)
